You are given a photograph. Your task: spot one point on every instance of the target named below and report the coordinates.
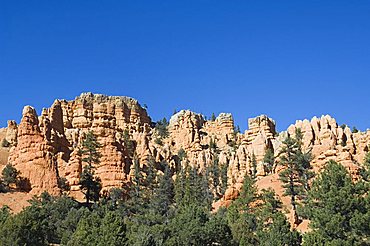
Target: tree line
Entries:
(157, 209)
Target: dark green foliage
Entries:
(338, 209)
(164, 194)
(365, 169)
(3, 188)
(212, 145)
(241, 216)
(10, 175)
(128, 143)
(27, 228)
(278, 233)
(236, 129)
(161, 128)
(193, 225)
(354, 130)
(89, 184)
(95, 229)
(181, 154)
(89, 153)
(192, 187)
(297, 172)
(213, 117)
(4, 214)
(269, 161)
(255, 219)
(254, 167)
(223, 178)
(63, 184)
(158, 211)
(40, 224)
(158, 141)
(5, 143)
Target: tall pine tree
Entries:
(338, 209)
(90, 155)
(297, 172)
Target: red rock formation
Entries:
(45, 148)
(34, 156)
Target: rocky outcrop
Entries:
(328, 141)
(34, 155)
(45, 148)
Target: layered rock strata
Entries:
(45, 148)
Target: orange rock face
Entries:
(33, 155)
(45, 148)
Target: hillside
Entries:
(45, 147)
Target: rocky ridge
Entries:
(44, 148)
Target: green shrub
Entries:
(5, 143)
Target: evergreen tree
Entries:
(365, 170)
(256, 219)
(269, 161)
(100, 230)
(213, 172)
(241, 214)
(213, 117)
(89, 153)
(296, 175)
(161, 128)
(10, 175)
(224, 169)
(181, 154)
(164, 194)
(273, 226)
(89, 184)
(192, 187)
(128, 143)
(304, 162)
(254, 167)
(337, 209)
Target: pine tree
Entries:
(164, 194)
(337, 209)
(89, 153)
(128, 143)
(224, 169)
(304, 162)
(10, 175)
(162, 128)
(290, 176)
(214, 171)
(365, 170)
(241, 214)
(254, 167)
(269, 161)
(136, 188)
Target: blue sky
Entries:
(287, 59)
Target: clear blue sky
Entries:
(287, 59)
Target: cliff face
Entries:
(44, 148)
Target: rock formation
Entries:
(45, 148)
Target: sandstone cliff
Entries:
(44, 148)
